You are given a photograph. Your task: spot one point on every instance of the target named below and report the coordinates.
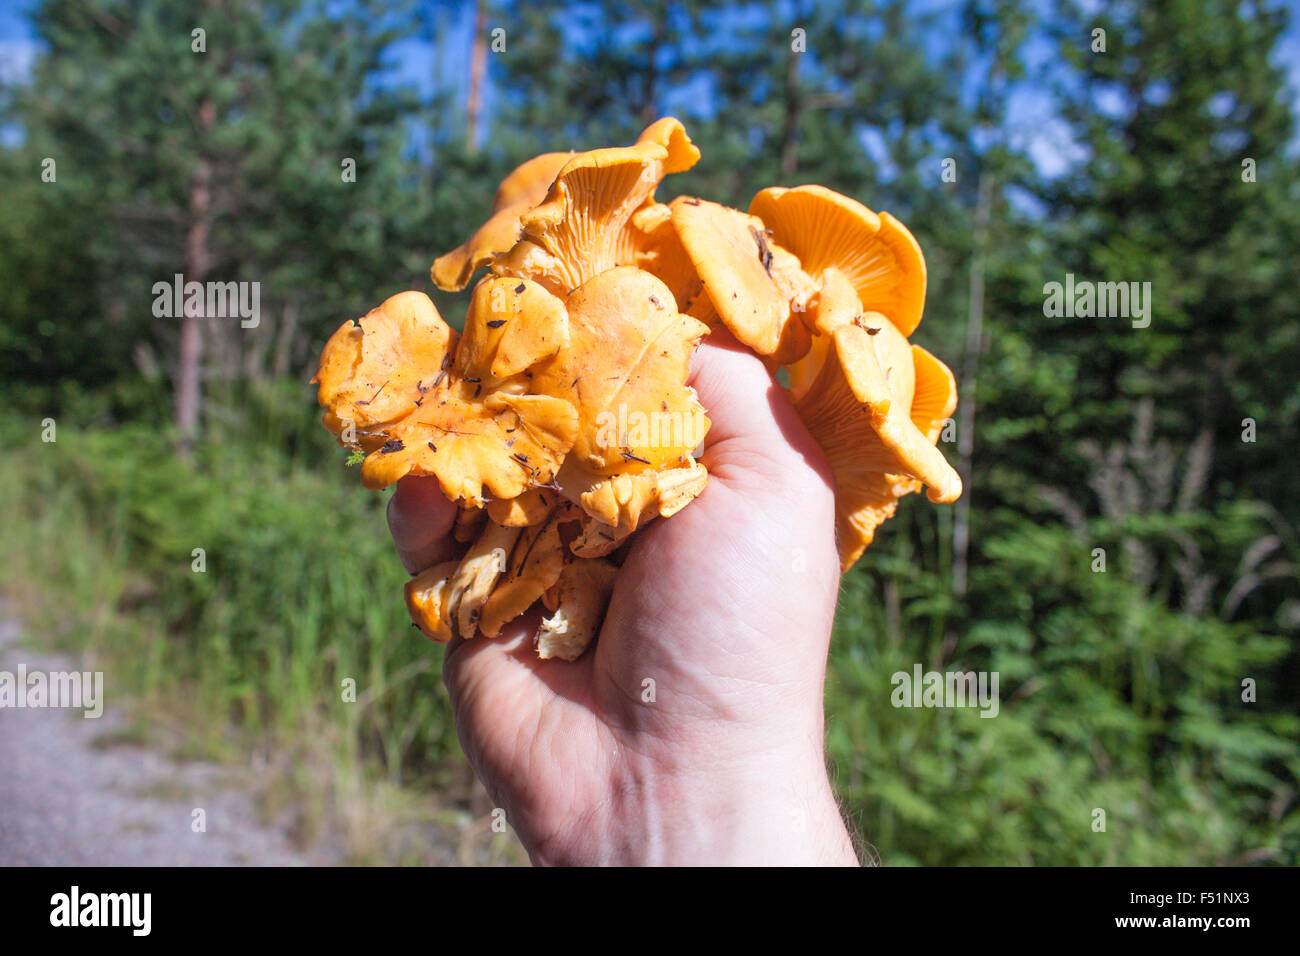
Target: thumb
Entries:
(756, 438)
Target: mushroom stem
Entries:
(474, 580)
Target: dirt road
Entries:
(72, 794)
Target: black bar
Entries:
(331, 906)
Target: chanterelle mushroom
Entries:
(427, 601)
(589, 220)
(539, 556)
(528, 186)
(530, 508)
(625, 371)
(476, 576)
(876, 252)
(671, 135)
(581, 229)
(756, 288)
(372, 370)
(661, 253)
(859, 407)
(577, 602)
(467, 416)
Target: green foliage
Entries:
(1186, 94)
(1110, 700)
(282, 137)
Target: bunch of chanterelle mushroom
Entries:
(560, 421)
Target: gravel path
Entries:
(71, 796)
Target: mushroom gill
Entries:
(876, 252)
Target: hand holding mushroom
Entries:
(692, 732)
(561, 423)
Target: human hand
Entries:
(727, 609)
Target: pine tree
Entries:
(223, 141)
(1187, 184)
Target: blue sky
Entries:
(1033, 124)
(17, 47)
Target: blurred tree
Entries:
(781, 93)
(1118, 507)
(1187, 184)
(48, 280)
(251, 142)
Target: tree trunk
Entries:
(790, 134)
(477, 70)
(284, 341)
(966, 400)
(197, 257)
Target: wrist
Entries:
(780, 812)
(771, 811)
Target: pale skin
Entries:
(727, 608)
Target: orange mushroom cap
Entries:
(622, 503)
(669, 133)
(661, 253)
(877, 253)
(372, 369)
(935, 398)
(836, 304)
(754, 286)
(501, 444)
(581, 228)
(511, 326)
(468, 417)
(625, 371)
(859, 408)
(530, 508)
(588, 221)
